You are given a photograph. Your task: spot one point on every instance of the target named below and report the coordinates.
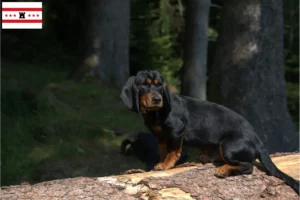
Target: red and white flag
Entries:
(21, 15)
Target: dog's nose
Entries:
(156, 99)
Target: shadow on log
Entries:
(188, 181)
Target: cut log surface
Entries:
(289, 164)
(189, 181)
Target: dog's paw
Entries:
(159, 166)
(162, 166)
(222, 172)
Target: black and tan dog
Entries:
(144, 146)
(175, 119)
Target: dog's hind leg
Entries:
(238, 155)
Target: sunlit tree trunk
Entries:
(248, 74)
(106, 42)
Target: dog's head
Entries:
(147, 91)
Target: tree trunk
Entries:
(182, 183)
(106, 42)
(248, 74)
(195, 49)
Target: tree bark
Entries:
(106, 42)
(248, 74)
(195, 49)
(182, 183)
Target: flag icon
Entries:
(21, 15)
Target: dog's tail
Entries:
(123, 146)
(274, 171)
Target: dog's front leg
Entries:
(162, 149)
(168, 160)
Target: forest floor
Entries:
(53, 128)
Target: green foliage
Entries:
(291, 49)
(153, 39)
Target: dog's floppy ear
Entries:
(167, 92)
(130, 95)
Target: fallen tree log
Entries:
(190, 181)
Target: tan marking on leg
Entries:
(225, 170)
(171, 158)
(162, 149)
